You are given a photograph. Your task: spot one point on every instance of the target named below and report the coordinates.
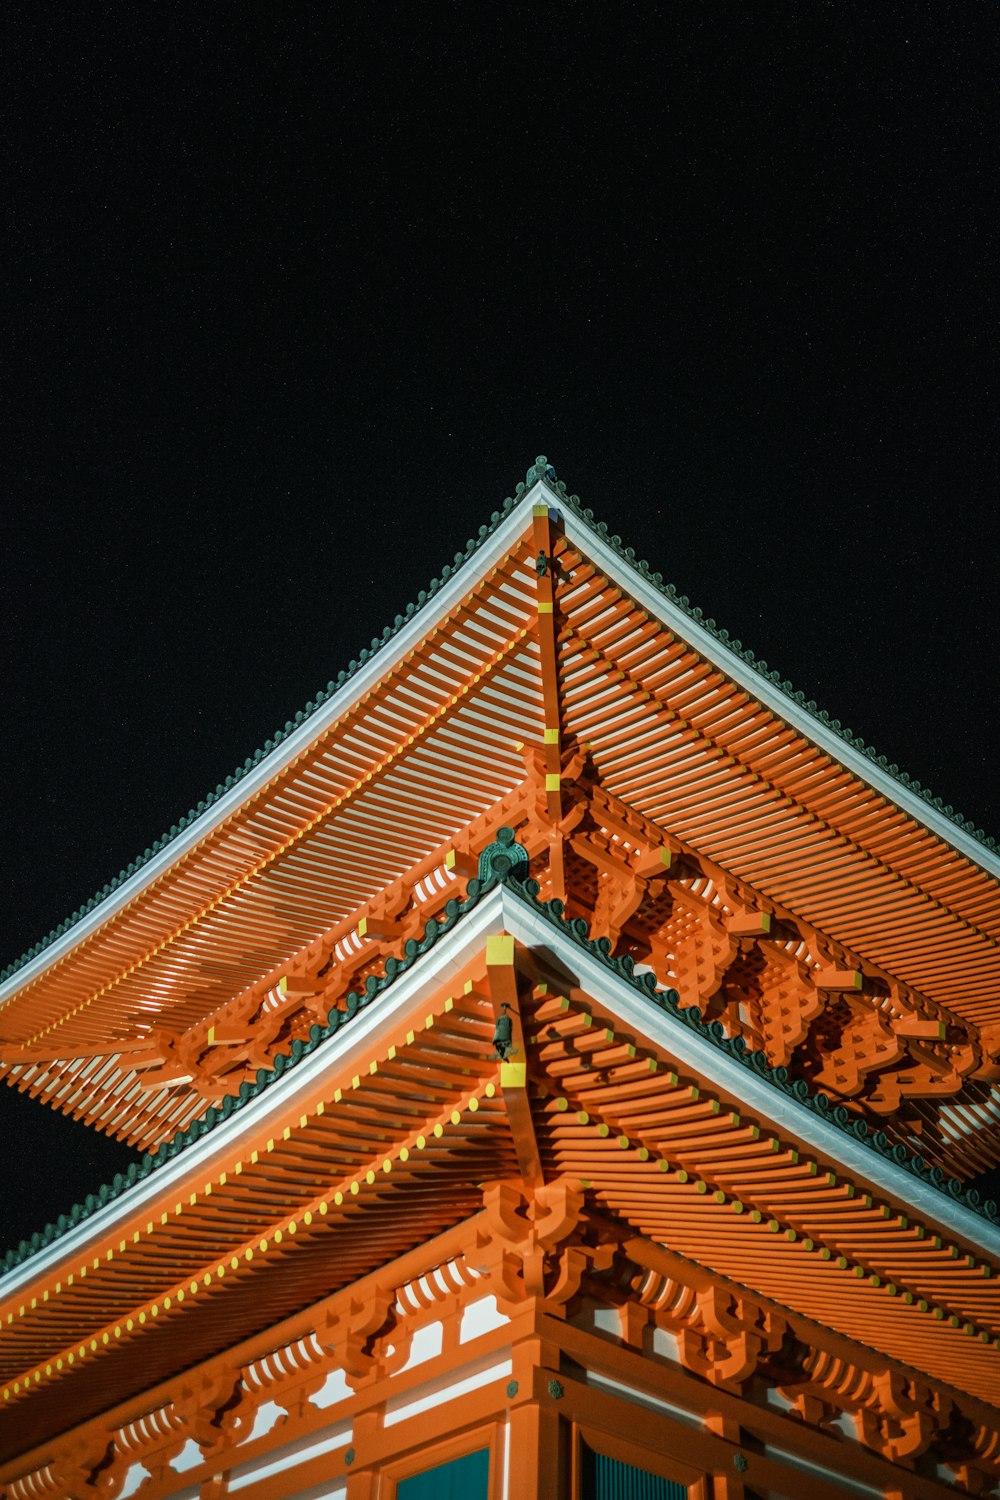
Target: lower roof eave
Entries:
(695, 1050)
(506, 909)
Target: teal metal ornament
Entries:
(504, 858)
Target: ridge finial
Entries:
(540, 469)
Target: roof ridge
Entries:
(666, 1000)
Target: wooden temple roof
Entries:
(394, 771)
(753, 976)
(383, 1131)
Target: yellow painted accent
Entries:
(551, 736)
(282, 985)
(455, 1117)
(391, 1054)
(553, 781)
(410, 1038)
(373, 1067)
(545, 607)
(355, 1082)
(363, 927)
(449, 1005)
(286, 1134)
(539, 510)
(491, 1089)
(369, 1177)
(439, 1130)
(499, 949)
(355, 1188)
(473, 1105)
(338, 1094)
(513, 1075)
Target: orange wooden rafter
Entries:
(501, 971)
(771, 735)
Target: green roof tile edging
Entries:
(578, 930)
(541, 469)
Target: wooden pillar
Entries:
(536, 1465)
(362, 1483)
(727, 1484)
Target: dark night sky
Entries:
(295, 294)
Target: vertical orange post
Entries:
(537, 1470)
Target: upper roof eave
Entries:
(481, 553)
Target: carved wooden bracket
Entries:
(91, 1470)
(352, 1333)
(728, 1337)
(531, 1243)
(902, 1416)
(212, 1408)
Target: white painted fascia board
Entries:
(646, 594)
(492, 551)
(378, 1021)
(696, 1052)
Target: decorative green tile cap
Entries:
(504, 857)
(540, 469)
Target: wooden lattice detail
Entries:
(791, 992)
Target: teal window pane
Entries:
(465, 1478)
(607, 1479)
